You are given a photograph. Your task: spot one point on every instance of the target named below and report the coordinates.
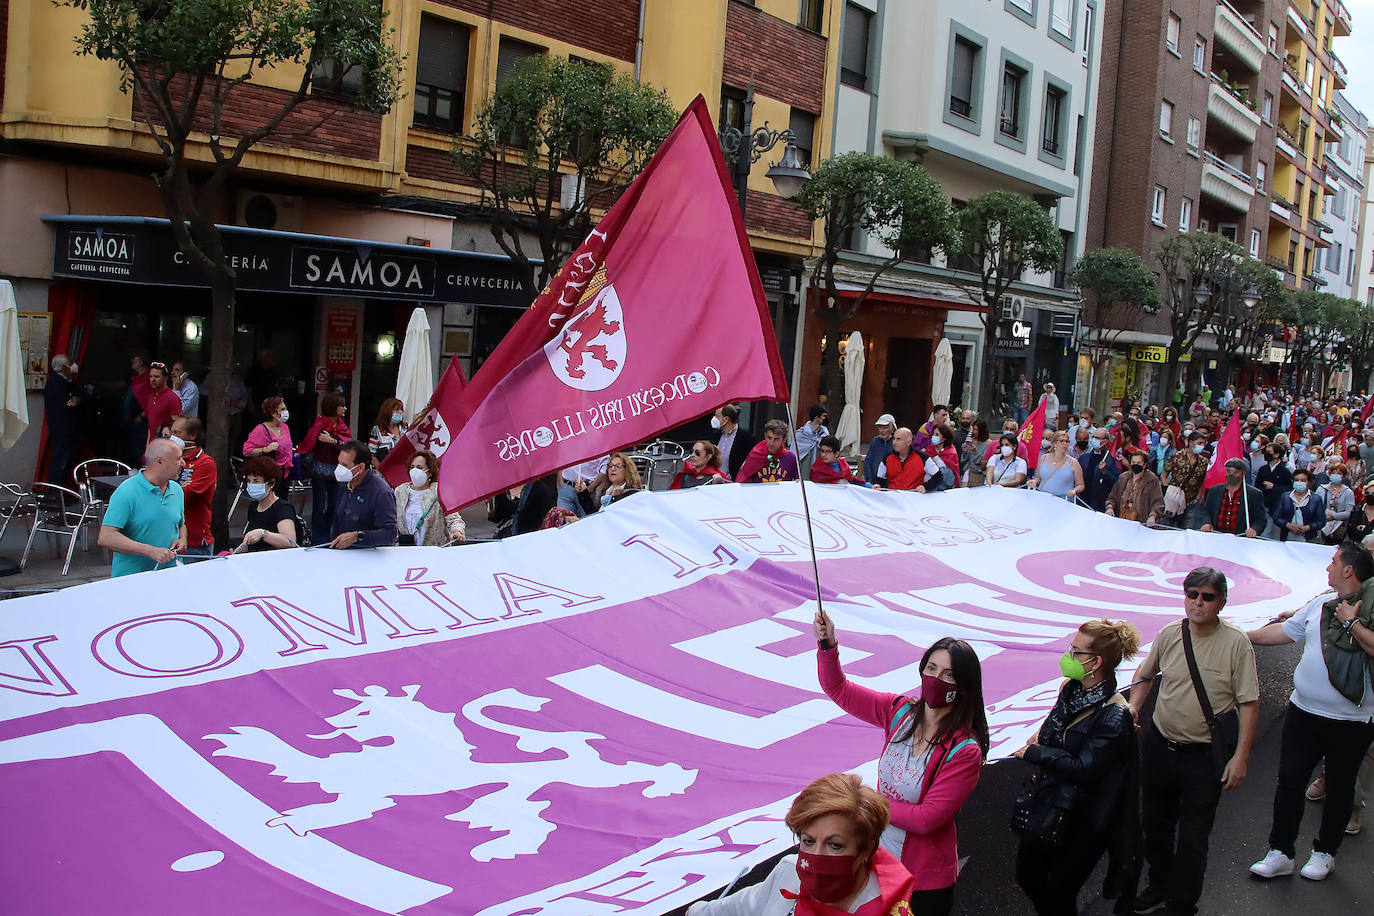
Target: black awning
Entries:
(141, 250)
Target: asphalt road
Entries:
(988, 885)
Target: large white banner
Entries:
(609, 716)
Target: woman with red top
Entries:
(271, 439)
(702, 466)
(941, 455)
(932, 756)
(321, 444)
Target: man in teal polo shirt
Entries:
(145, 524)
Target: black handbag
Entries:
(1225, 727)
(1035, 814)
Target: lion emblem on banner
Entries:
(428, 754)
(589, 352)
(429, 434)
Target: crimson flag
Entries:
(657, 319)
(1032, 431)
(1229, 446)
(1337, 448)
(1368, 406)
(425, 435)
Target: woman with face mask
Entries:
(1300, 512)
(1006, 468)
(1339, 500)
(272, 439)
(420, 520)
(272, 522)
(942, 460)
(933, 750)
(839, 866)
(387, 431)
(1087, 779)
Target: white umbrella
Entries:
(415, 378)
(943, 373)
(849, 429)
(14, 404)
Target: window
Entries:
(1333, 258)
(332, 79)
(731, 108)
(812, 14)
(1051, 131)
(854, 50)
(1200, 55)
(509, 55)
(1166, 119)
(1261, 175)
(1194, 133)
(1254, 243)
(1060, 279)
(963, 77)
(1229, 231)
(441, 74)
(1267, 108)
(1321, 90)
(1185, 215)
(1273, 41)
(1061, 17)
(1010, 122)
(1022, 9)
(1171, 34)
(803, 125)
(1087, 33)
(1307, 74)
(1157, 207)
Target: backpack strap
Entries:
(902, 710)
(958, 747)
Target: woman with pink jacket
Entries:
(933, 751)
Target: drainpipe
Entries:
(639, 40)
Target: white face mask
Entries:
(418, 477)
(1007, 451)
(342, 474)
(715, 422)
(284, 415)
(936, 440)
(178, 442)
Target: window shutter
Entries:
(442, 60)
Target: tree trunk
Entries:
(217, 413)
(987, 396)
(832, 373)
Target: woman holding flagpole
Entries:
(933, 750)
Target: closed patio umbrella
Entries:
(943, 373)
(415, 378)
(849, 427)
(14, 405)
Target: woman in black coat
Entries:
(1088, 775)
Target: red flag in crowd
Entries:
(425, 435)
(1338, 444)
(1228, 446)
(1368, 406)
(1032, 431)
(657, 319)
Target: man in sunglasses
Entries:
(1330, 714)
(1180, 781)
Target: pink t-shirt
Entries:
(262, 436)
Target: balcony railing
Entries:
(962, 107)
(1338, 69)
(1226, 167)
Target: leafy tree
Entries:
(551, 121)
(1121, 291)
(1301, 312)
(1005, 234)
(186, 63)
(896, 202)
(1245, 296)
(1188, 263)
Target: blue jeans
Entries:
(567, 499)
(1020, 414)
(323, 495)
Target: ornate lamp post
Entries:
(744, 147)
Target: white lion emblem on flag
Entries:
(589, 352)
(429, 755)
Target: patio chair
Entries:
(14, 501)
(58, 511)
(84, 472)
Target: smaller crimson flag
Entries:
(425, 434)
(1229, 446)
(1032, 432)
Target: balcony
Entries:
(1226, 109)
(1338, 72)
(1296, 20)
(1285, 143)
(1225, 183)
(1342, 18)
(1239, 37)
(1292, 80)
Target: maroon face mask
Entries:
(826, 878)
(936, 693)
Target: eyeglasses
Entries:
(1084, 653)
(1193, 595)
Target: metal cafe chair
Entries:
(14, 501)
(86, 471)
(58, 511)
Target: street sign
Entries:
(1144, 354)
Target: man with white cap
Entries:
(59, 405)
(880, 447)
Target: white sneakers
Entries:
(1319, 866)
(1275, 864)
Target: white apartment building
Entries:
(985, 94)
(1345, 182)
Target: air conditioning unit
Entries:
(1013, 307)
(259, 210)
(572, 191)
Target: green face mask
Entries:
(1071, 667)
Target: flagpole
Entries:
(806, 511)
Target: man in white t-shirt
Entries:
(1321, 721)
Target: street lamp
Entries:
(1250, 297)
(1201, 292)
(745, 146)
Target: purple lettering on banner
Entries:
(525, 596)
(111, 650)
(868, 529)
(727, 843)
(429, 590)
(281, 613)
(621, 899)
(685, 564)
(726, 527)
(990, 527)
(962, 535)
(46, 680)
(834, 545)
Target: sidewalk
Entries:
(43, 572)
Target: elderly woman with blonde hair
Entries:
(420, 520)
(839, 866)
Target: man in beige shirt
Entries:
(1179, 785)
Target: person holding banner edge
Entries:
(932, 755)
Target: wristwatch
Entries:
(1349, 623)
